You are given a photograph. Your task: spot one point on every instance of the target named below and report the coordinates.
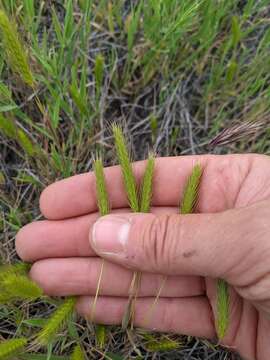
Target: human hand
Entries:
(228, 239)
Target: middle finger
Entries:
(79, 276)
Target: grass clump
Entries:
(9, 349)
(16, 56)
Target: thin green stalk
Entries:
(104, 209)
(223, 308)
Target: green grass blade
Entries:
(10, 348)
(126, 167)
(56, 321)
(147, 185)
(223, 307)
(191, 190)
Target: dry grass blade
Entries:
(236, 133)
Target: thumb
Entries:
(198, 244)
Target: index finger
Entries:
(77, 195)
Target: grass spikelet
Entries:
(162, 345)
(19, 287)
(56, 321)
(223, 308)
(77, 353)
(10, 348)
(101, 191)
(124, 160)
(16, 55)
(147, 185)
(191, 190)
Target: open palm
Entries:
(228, 238)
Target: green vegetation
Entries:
(172, 73)
(12, 347)
(191, 191)
(223, 308)
(58, 320)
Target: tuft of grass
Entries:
(16, 56)
(58, 319)
(223, 308)
(190, 195)
(77, 353)
(9, 349)
(126, 167)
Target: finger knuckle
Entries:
(158, 242)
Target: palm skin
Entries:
(228, 238)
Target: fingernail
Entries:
(110, 234)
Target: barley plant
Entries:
(181, 77)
